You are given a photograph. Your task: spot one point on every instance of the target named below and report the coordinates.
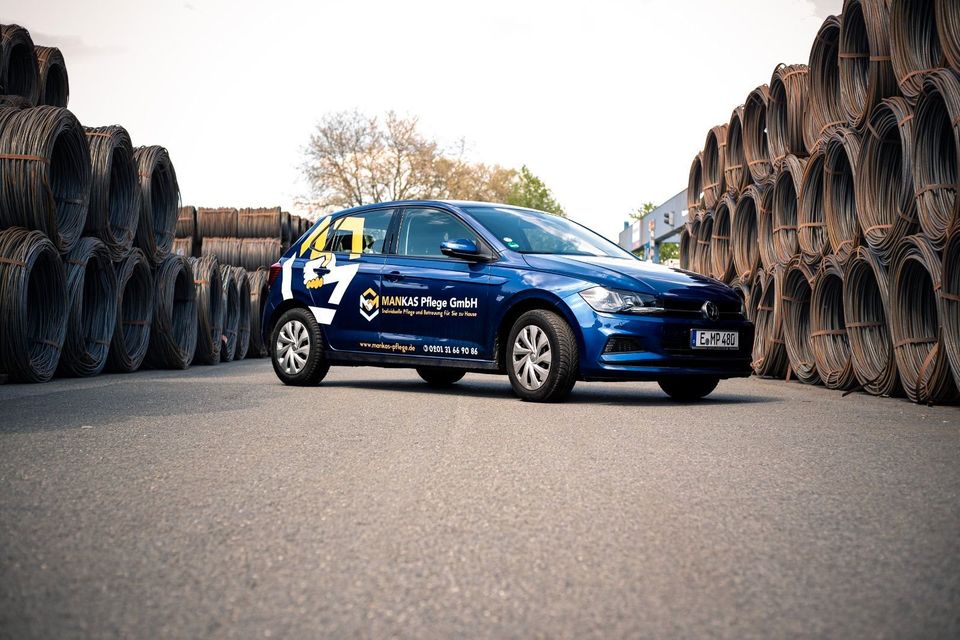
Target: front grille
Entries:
(728, 309)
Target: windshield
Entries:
(528, 231)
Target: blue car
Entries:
(455, 287)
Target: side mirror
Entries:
(463, 249)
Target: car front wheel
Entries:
(296, 349)
(541, 357)
(689, 388)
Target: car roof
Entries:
(459, 204)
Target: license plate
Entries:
(714, 339)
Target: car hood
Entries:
(636, 275)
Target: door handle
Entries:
(394, 276)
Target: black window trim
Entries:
(486, 249)
(387, 240)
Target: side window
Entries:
(360, 233)
(422, 231)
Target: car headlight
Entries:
(613, 301)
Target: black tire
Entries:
(563, 367)
(440, 376)
(688, 388)
(315, 367)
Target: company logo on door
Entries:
(369, 304)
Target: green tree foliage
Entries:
(531, 192)
(645, 208)
(669, 251)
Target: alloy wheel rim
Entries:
(532, 357)
(293, 347)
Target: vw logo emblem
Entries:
(710, 311)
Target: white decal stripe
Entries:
(323, 316)
(286, 287)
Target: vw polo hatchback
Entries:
(455, 287)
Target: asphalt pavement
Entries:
(217, 503)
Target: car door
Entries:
(342, 276)
(431, 304)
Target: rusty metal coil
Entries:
(173, 335)
(795, 295)
(754, 203)
(866, 305)
(886, 205)
(914, 43)
(186, 223)
(53, 81)
(736, 174)
(226, 250)
(824, 111)
(840, 168)
(866, 70)
(33, 305)
(714, 157)
(19, 73)
(208, 282)
(184, 247)
(695, 183)
(936, 166)
(811, 227)
(704, 237)
(45, 164)
(285, 231)
(756, 148)
(114, 211)
(950, 301)
(243, 321)
(784, 205)
(768, 254)
(231, 313)
(159, 202)
(918, 340)
(948, 30)
(685, 240)
(769, 352)
(261, 223)
(828, 330)
(217, 223)
(92, 296)
(259, 252)
(131, 335)
(721, 253)
(259, 294)
(789, 86)
(742, 287)
(695, 223)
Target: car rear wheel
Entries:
(440, 377)
(542, 360)
(690, 388)
(296, 349)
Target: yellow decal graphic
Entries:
(369, 304)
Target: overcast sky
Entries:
(608, 101)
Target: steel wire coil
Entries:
(685, 240)
(914, 43)
(695, 183)
(226, 250)
(209, 287)
(769, 351)
(53, 81)
(159, 202)
(19, 73)
(131, 334)
(736, 175)
(948, 30)
(92, 295)
(936, 172)
(259, 294)
(840, 169)
(695, 224)
(184, 247)
(811, 226)
(259, 252)
(824, 111)
(261, 223)
(714, 154)
(217, 223)
(789, 86)
(45, 164)
(915, 314)
(886, 205)
(756, 148)
(721, 253)
(784, 206)
(186, 223)
(795, 295)
(231, 313)
(704, 237)
(742, 287)
(765, 224)
(285, 231)
(828, 329)
(866, 70)
(243, 317)
(950, 301)
(752, 205)
(114, 211)
(173, 336)
(866, 301)
(33, 305)
(14, 102)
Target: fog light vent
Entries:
(623, 344)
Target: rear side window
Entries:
(422, 231)
(360, 233)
